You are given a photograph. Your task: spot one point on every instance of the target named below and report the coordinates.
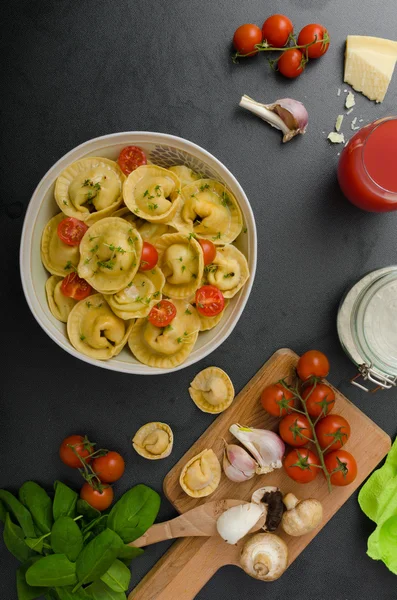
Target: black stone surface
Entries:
(72, 71)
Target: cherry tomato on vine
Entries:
(291, 63)
(312, 363)
(295, 430)
(81, 446)
(276, 400)
(332, 432)
(320, 399)
(130, 158)
(342, 467)
(245, 37)
(71, 230)
(276, 30)
(209, 301)
(75, 287)
(209, 250)
(162, 313)
(309, 34)
(99, 500)
(149, 257)
(299, 465)
(110, 467)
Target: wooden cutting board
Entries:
(191, 562)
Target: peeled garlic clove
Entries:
(288, 115)
(237, 521)
(265, 446)
(238, 465)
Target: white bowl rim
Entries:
(26, 242)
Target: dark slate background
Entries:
(76, 70)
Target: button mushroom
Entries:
(302, 516)
(264, 556)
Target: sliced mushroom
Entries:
(264, 556)
(154, 440)
(302, 516)
(273, 499)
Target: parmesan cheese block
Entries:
(369, 65)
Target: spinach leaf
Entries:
(127, 553)
(24, 590)
(52, 570)
(35, 544)
(21, 513)
(97, 525)
(66, 593)
(83, 508)
(100, 591)
(134, 513)
(65, 500)
(3, 512)
(117, 577)
(97, 556)
(14, 540)
(66, 538)
(38, 502)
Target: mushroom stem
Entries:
(262, 564)
(290, 501)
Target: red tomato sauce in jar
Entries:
(367, 170)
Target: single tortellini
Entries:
(181, 260)
(212, 390)
(57, 257)
(201, 475)
(90, 189)
(154, 440)
(186, 175)
(229, 270)
(152, 193)
(210, 211)
(59, 304)
(137, 299)
(110, 255)
(207, 323)
(166, 347)
(95, 330)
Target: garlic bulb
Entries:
(238, 465)
(264, 556)
(286, 114)
(237, 521)
(265, 446)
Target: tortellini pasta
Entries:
(154, 441)
(166, 347)
(90, 189)
(186, 175)
(94, 330)
(181, 260)
(212, 390)
(207, 323)
(60, 305)
(57, 257)
(137, 299)
(201, 475)
(110, 255)
(229, 270)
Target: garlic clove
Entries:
(288, 115)
(238, 465)
(237, 521)
(265, 446)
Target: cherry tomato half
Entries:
(312, 363)
(342, 467)
(245, 37)
(320, 399)
(70, 231)
(276, 399)
(99, 500)
(209, 301)
(130, 158)
(75, 287)
(295, 430)
(312, 32)
(332, 432)
(149, 257)
(110, 467)
(299, 465)
(81, 446)
(209, 250)
(162, 313)
(276, 30)
(291, 63)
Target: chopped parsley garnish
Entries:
(204, 187)
(157, 189)
(136, 210)
(82, 337)
(146, 193)
(217, 236)
(194, 275)
(156, 294)
(152, 206)
(245, 230)
(211, 268)
(180, 258)
(188, 312)
(228, 275)
(226, 200)
(106, 264)
(95, 248)
(168, 328)
(93, 237)
(68, 266)
(65, 203)
(89, 304)
(191, 235)
(183, 268)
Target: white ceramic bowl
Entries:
(164, 150)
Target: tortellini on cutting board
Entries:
(212, 390)
(229, 270)
(154, 440)
(59, 304)
(57, 257)
(137, 299)
(181, 260)
(201, 475)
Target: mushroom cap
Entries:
(238, 520)
(303, 518)
(264, 556)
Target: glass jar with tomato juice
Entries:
(367, 170)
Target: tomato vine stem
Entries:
(265, 47)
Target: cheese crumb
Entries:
(336, 138)
(350, 101)
(350, 111)
(353, 123)
(338, 92)
(338, 123)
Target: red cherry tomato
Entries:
(209, 250)
(110, 467)
(276, 399)
(75, 287)
(209, 301)
(276, 30)
(332, 432)
(131, 157)
(99, 500)
(162, 313)
(149, 257)
(309, 34)
(81, 446)
(245, 37)
(320, 399)
(299, 465)
(291, 63)
(70, 231)
(342, 467)
(312, 363)
(295, 430)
